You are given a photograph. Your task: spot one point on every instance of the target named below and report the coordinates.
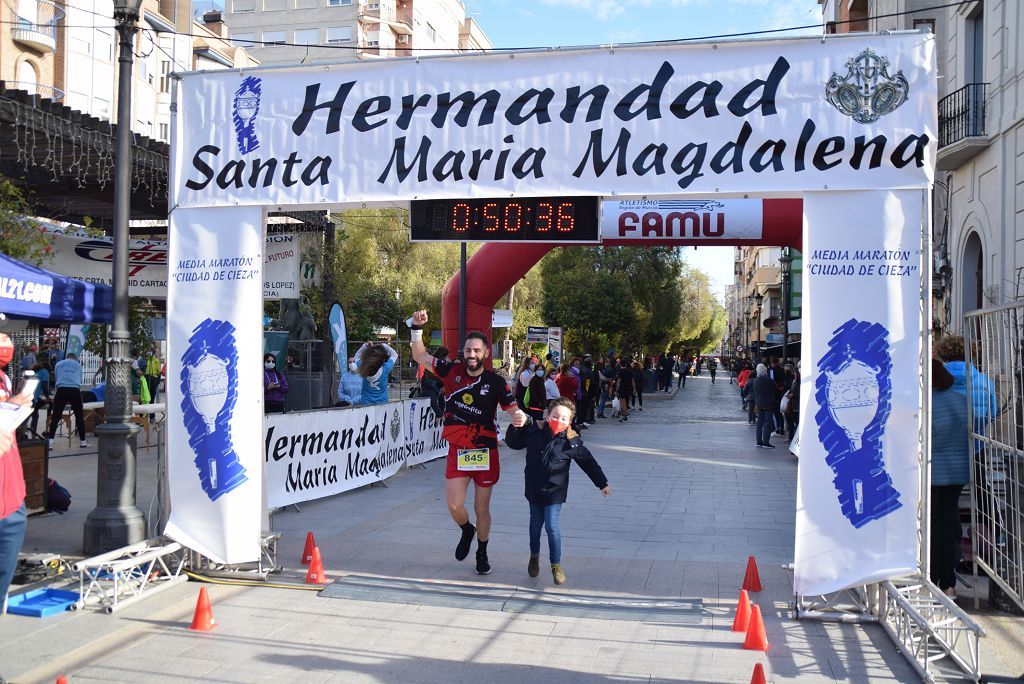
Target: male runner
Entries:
(472, 395)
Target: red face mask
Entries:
(6, 351)
(557, 427)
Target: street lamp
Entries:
(117, 521)
(787, 264)
(758, 298)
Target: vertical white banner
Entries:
(214, 390)
(860, 402)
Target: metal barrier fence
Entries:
(313, 374)
(993, 345)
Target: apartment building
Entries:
(312, 31)
(28, 45)
(68, 53)
(758, 274)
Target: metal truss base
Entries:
(936, 637)
(119, 578)
(258, 570)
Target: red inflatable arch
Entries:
(497, 266)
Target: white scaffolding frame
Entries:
(119, 578)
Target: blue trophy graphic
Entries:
(245, 109)
(209, 389)
(854, 391)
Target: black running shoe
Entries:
(462, 550)
(482, 566)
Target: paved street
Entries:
(691, 499)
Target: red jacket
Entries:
(743, 377)
(567, 385)
(12, 480)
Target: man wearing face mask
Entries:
(472, 396)
(350, 389)
(13, 519)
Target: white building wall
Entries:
(986, 194)
(91, 60)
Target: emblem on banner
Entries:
(853, 390)
(209, 389)
(867, 91)
(244, 112)
(396, 426)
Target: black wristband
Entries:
(415, 327)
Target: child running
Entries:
(550, 446)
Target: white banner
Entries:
(214, 388)
(860, 415)
(843, 112)
(700, 219)
(312, 454)
(555, 346)
(423, 432)
(90, 259)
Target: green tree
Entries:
(21, 237)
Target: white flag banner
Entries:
(214, 387)
(844, 112)
(860, 400)
(91, 259)
(423, 432)
(695, 219)
(313, 454)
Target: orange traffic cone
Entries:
(751, 580)
(202, 621)
(307, 553)
(742, 619)
(315, 574)
(756, 639)
(758, 676)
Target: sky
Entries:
(551, 23)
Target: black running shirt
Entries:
(471, 404)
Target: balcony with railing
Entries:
(961, 126)
(35, 24)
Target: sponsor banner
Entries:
(683, 219)
(90, 259)
(312, 454)
(339, 334)
(214, 395)
(860, 418)
(423, 438)
(536, 335)
(847, 112)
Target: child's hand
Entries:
(607, 490)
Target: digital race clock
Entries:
(527, 219)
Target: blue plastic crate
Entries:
(41, 602)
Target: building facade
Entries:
(68, 53)
(978, 205)
(313, 31)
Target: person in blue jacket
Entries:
(374, 361)
(350, 389)
(950, 471)
(551, 446)
(950, 350)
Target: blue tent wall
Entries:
(69, 301)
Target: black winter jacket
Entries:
(764, 392)
(547, 461)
